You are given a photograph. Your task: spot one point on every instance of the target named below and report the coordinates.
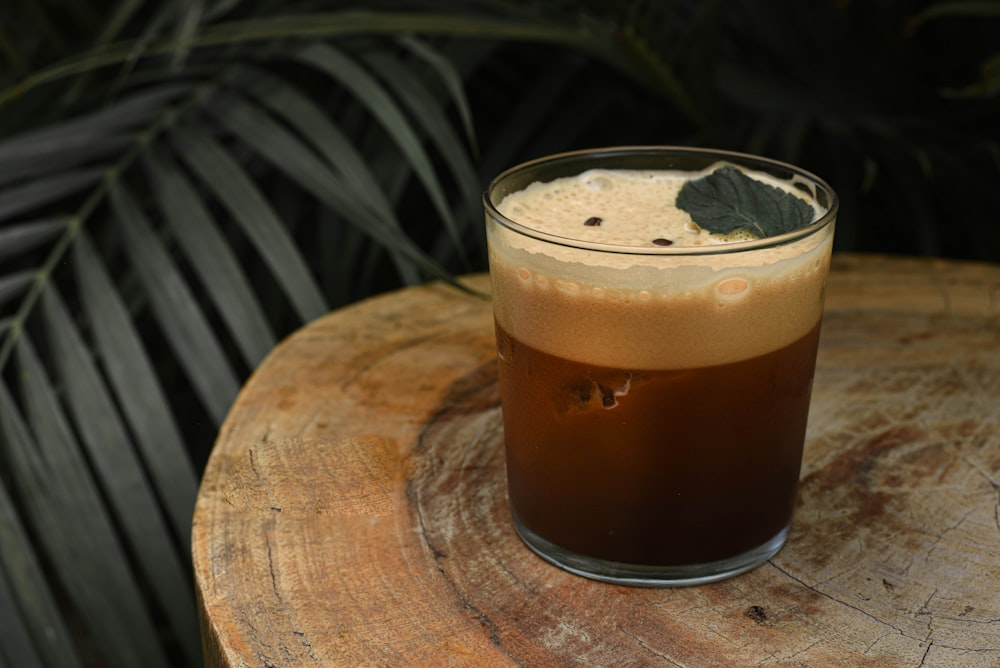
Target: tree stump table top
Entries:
(354, 512)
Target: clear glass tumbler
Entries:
(654, 394)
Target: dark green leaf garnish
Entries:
(728, 201)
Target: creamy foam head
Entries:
(618, 207)
(642, 306)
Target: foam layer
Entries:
(625, 207)
(644, 310)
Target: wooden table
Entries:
(354, 513)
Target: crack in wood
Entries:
(414, 499)
(650, 650)
(834, 599)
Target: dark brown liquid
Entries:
(655, 467)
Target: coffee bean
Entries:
(663, 242)
(593, 221)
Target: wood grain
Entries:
(353, 512)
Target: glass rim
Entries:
(743, 159)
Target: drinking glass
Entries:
(655, 397)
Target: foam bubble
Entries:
(732, 287)
(599, 183)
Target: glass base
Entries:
(637, 575)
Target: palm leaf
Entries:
(17, 648)
(34, 632)
(268, 29)
(234, 188)
(450, 78)
(41, 191)
(120, 474)
(15, 284)
(423, 106)
(72, 524)
(623, 49)
(327, 138)
(211, 257)
(93, 136)
(133, 378)
(377, 100)
(18, 239)
(296, 160)
(176, 308)
(330, 142)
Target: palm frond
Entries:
(296, 160)
(151, 199)
(83, 140)
(424, 107)
(71, 522)
(34, 631)
(451, 80)
(14, 285)
(21, 238)
(44, 190)
(143, 402)
(232, 186)
(119, 471)
(352, 76)
(300, 112)
(212, 258)
(176, 308)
